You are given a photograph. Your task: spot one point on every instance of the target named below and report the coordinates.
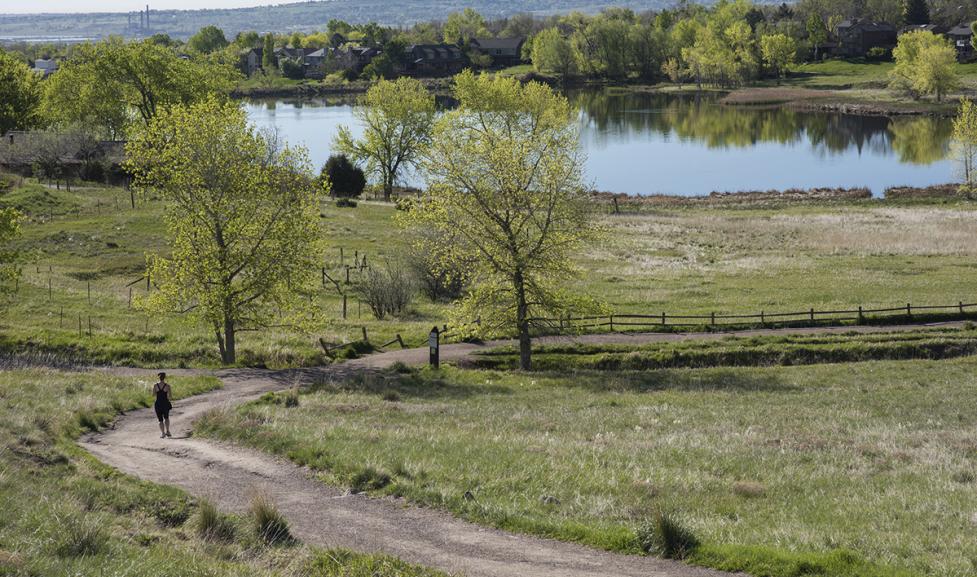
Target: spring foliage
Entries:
(965, 141)
(114, 84)
(20, 95)
(925, 64)
(506, 188)
(242, 220)
(397, 117)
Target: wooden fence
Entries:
(623, 322)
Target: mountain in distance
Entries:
(299, 16)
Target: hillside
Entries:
(303, 16)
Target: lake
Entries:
(645, 143)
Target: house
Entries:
(934, 28)
(354, 58)
(434, 60)
(962, 38)
(251, 61)
(315, 63)
(856, 37)
(45, 67)
(289, 53)
(503, 51)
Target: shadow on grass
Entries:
(674, 380)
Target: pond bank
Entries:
(840, 101)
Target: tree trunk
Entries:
(388, 186)
(229, 354)
(522, 321)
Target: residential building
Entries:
(962, 38)
(503, 51)
(434, 60)
(856, 37)
(45, 67)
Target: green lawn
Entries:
(64, 513)
(831, 470)
(677, 260)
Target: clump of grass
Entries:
(212, 525)
(269, 524)
(292, 398)
(749, 489)
(345, 563)
(368, 479)
(666, 537)
(402, 368)
(79, 536)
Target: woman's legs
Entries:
(166, 421)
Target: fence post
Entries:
(89, 292)
(61, 319)
(612, 323)
(344, 307)
(342, 257)
(663, 318)
(130, 297)
(365, 337)
(961, 307)
(712, 319)
(812, 315)
(861, 317)
(49, 288)
(909, 309)
(79, 325)
(763, 319)
(89, 325)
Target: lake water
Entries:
(686, 145)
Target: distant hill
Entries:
(301, 16)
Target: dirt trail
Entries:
(326, 516)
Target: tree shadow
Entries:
(690, 380)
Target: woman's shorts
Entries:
(162, 413)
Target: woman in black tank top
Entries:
(162, 405)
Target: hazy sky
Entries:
(33, 6)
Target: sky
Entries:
(35, 6)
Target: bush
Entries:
(345, 203)
(269, 524)
(347, 179)
(292, 69)
(387, 291)
(212, 525)
(666, 537)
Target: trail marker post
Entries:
(434, 343)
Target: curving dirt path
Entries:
(328, 516)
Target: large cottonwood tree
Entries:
(242, 220)
(397, 117)
(506, 196)
(20, 95)
(113, 84)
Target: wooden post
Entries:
(344, 307)
(961, 307)
(89, 292)
(49, 288)
(359, 309)
(147, 280)
(861, 317)
(712, 319)
(342, 257)
(401, 341)
(347, 275)
(763, 319)
(61, 318)
(366, 339)
(323, 277)
(130, 297)
(79, 326)
(89, 325)
(617, 209)
(612, 323)
(909, 310)
(663, 318)
(812, 315)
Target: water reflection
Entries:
(612, 116)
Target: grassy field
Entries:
(843, 470)
(742, 259)
(64, 513)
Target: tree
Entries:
(208, 39)
(915, 12)
(461, 27)
(554, 54)
(779, 51)
(397, 117)
(268, 53)
(965, 141)
(241, 215)
(506, 191)
(673, 70)
(817, 32)
(345, 178)
(295, 41)
(925, 64)
(20, 95)
(111, 85)
(9, 256)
